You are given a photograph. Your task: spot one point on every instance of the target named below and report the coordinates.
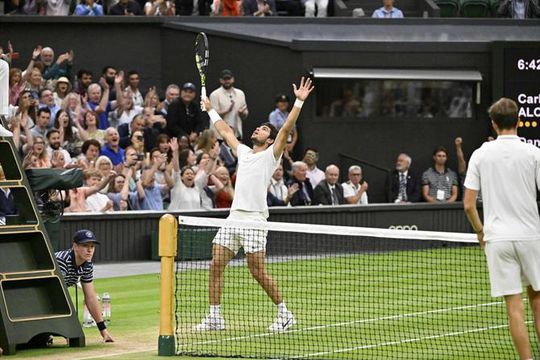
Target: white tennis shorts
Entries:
(252, 240)
(512, 265)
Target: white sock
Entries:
(282, 308)
(215, 310)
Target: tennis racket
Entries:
(201, 59)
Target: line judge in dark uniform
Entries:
(76, 264)
(405, 186)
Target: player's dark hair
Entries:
(273, 130)
(504, 113)
(439, 149)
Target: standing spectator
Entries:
(315, 175)
(259, 7)
(518, 9)
(278, 193)
(62, 67)
(119, 193)
(84, 79)
(184, 116)
(70, 138)
(126, 7)
(230, 103)
(126, 131)
(304, 195)
(329, 191)
(387, 11)
(89, 153)
(153, 199)
(159, 8)
(225, 196)
(278, 117)
(90, 126)
(171, 93)
(40, 152)
(78, 196)
(112, 148)
(61, 90)
(99, 103)
(72, 104)
(89, 8)
(322, 6)
(16, 85)
(134, 78)
(98, 202)
(46, 100)
(126, 109)
(439, 183)
(34, 82)
(405, 185)
(355, 189)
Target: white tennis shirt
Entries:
(253, 177)
(507, 171)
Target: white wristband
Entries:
(298, 103)
(214, 116)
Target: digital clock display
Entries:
(528, 64)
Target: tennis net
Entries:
(355, 293)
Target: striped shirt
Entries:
(70, 271)
(440, 181)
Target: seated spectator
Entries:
(98, 202)
(304, 195)
(518, 9)
(387, 11)
(225, 196)
(278, 193)
(88, 8)
(355, 189)
(34, 82)
(69, 134)
(112, 148)
(134, 79)
(84, 79)
(118, 192)
(171, 93)
(7, 200)
(322, 6)
(439, 183)
(90, 126)
(30, 161)
(62, 67)
(61, 90)
(103, 165)
(184, 115)
(405, 185)
(42, 123)
(126, 7)
(127, 131)
(137, 142)
(72, 104)
(16, 85)
(259, 7)
(41, 153)
(55, 143)
(329, 191)
(89, 153)
(78, 196)
(278, 117)
(57, 160)
(314, 174)
(152, 101)
(159, 8)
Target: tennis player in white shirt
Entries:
(255, 168)
(507, 171)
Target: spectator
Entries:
(119, 193)
(153, 199)
(22, 137)
(69, 135)
(54, 139)
(16, 85)
(30, 161)
(227, 157)
(228, 7)
(304, 195)
(439, 183)
(186, 157)
(259, 7)
(104, 165)
(89, 153)
(164, 146)
(61, 89)
(518, 9)
(405, 185)
(46, 101)
(90, 126)
(126, 110)
(159, 8)
(278, 117)
(126, 7)
(89, 8)
(72, 104)
(206, 142)
(134, 79)
(462, 164)
(329, 192)
(322, 6)
(78, 196)
(34, 82)
(137, 142)
(171, 93)
(84, 79)
(184, 116)
(98, 202)
(62, 67)
(126, 131)
(151, 100)
(40, 152)
(112, 148)
(26, 108)
(99, 103)
(314, 174)
(230, 102)
(387, 11)
(225, 196)
(355, 189)
(278, 193)
(57, 160)
(42, 123)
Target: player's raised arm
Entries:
(301, 93)
(221, 126)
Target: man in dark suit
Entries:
(405, 185)
(304, 195)
(329, 191)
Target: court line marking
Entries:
(362, 321)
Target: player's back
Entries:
(509, 173)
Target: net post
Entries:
(168, 233)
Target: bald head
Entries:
(331, 174)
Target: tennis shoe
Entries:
(211, 323)
(283, 322)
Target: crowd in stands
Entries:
(139, 152)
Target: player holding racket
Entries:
(255, 169)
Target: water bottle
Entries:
(106, 303)
(88, 321)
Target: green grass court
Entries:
(370, 306)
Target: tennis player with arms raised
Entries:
(507, 171)
(255, 169)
